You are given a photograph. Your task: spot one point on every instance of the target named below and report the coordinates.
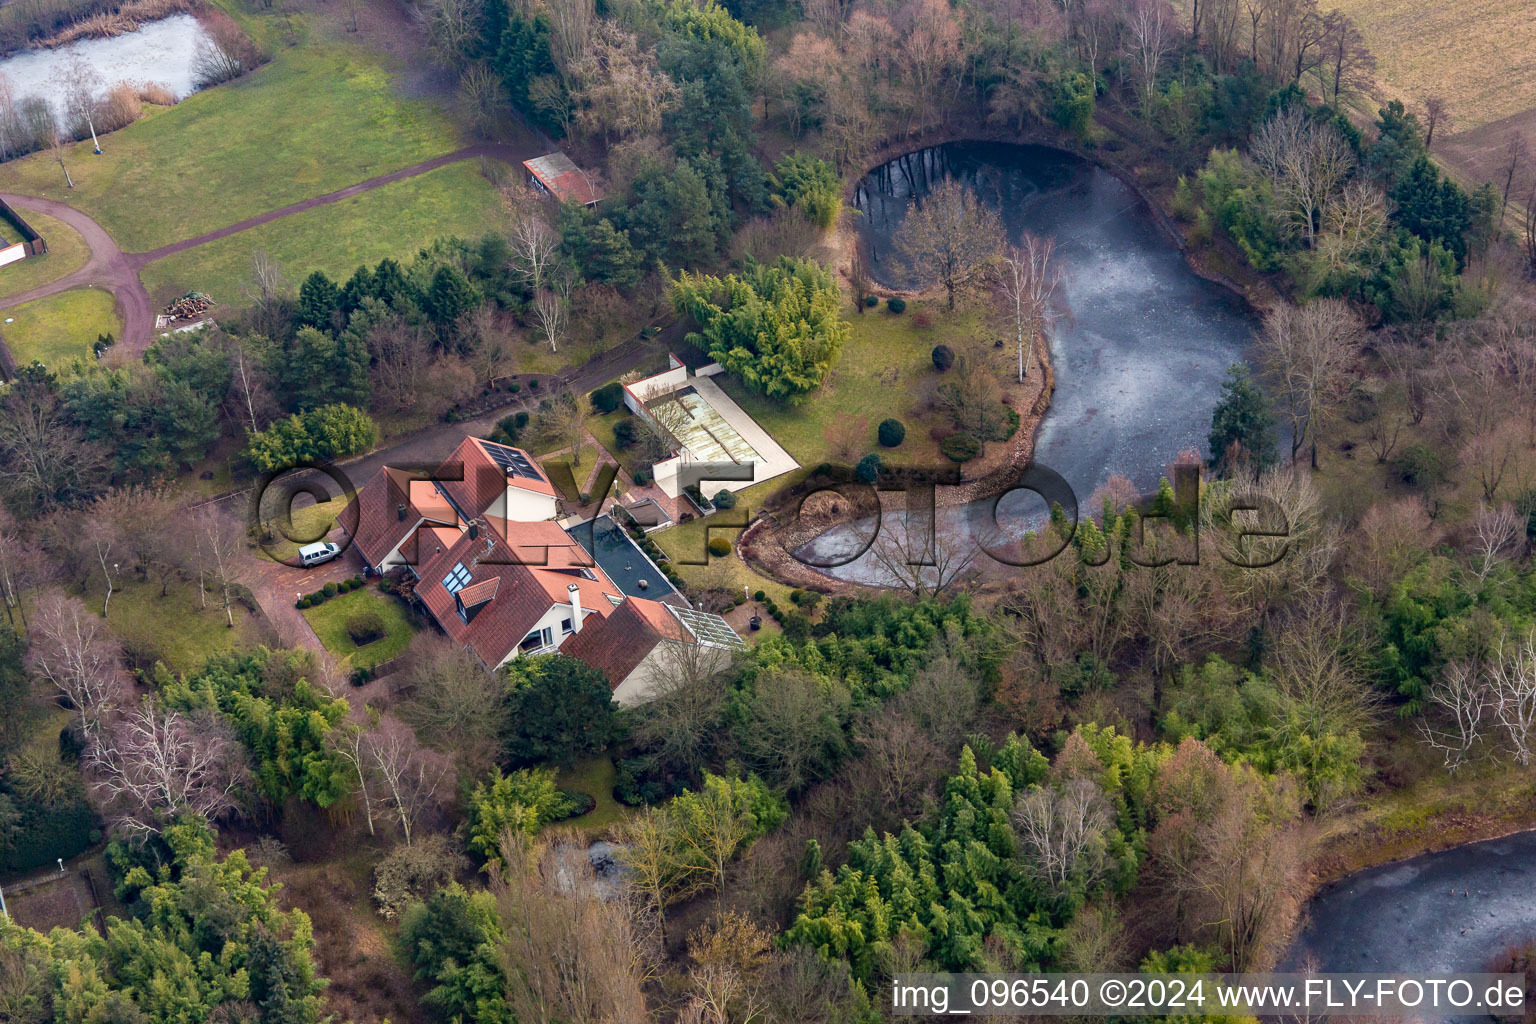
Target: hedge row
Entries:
(329, 591)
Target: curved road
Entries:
(118, 272)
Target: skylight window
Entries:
(457, 579)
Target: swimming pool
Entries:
(621, 558)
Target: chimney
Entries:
(575, 593)
(400, 512)
(474, 530)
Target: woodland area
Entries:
(1119, 759)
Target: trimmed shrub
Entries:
(642, 476)
(943, 357)
(534, 383)
(514, 387)
(869, 468)
(739, 600)
(871, 301)
(302, 602)
(624, 432)
(719, 547)
(796, 596)
(892, 432)
(725, 499)
(608, 397)
(896, 304)
(330, 589)
(960, 447)
(365, 626)
(759, 595)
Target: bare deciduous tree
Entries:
(1498, 534)
(72, 649)
(77, 82)
(1028, 282)
(1062, 832)
(949, 238)
(410, 777)
(1305, 351)
(1307, 162)
(1461, 694)
(448, 696)
(570, 955)
(908, 560)
(1512, 680)
(152, 765)
(1149, 38)
(1437, 113)
(220, 550)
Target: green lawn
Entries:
(176, 629)
(329, 621)
(594, 777)
(313, 521)
(395, 220)
(318, 118)
(67, 253)
(885, 370)
(60, 327)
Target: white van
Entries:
(314, 554)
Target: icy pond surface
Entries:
(1456, 910)
(161, 51)
(1140, 351)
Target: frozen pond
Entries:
(162, 51)
(1456, 910)
(1139, 355)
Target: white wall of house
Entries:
(666, 382)
(640, 685)
(520, 505)
(550, 620)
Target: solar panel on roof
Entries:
(513, 461)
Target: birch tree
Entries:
(74, 651)
(1512, 679)
(153, 765)
(1462, 696)
(1028, 281)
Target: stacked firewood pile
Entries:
(189, 306)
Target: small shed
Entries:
(557, 175)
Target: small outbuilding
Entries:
(557, 175)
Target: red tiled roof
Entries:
(479, 593)
(564, 180)
(373, 512)
(522, 592)
(619, 643)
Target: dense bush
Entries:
(557, 708)
(871, 301)
(896, 304)
(943, 357)
(719, 547)
(330, 589)
(892, 432)
(868, 468)
(412, 873)
(1419, 464)
(608, 397)
(365, 627)
(642, 476)
(624, 432)
(960, 447)
(318, 435)
(725, 500)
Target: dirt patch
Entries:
(62, 903)
(1478, 155)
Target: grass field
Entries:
(1474, 53)
(316, 119)
(174, 629)
(329, 621)
(885, 370)
(59, 328)
(594, 777)
(395, 220)
(67, 253)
